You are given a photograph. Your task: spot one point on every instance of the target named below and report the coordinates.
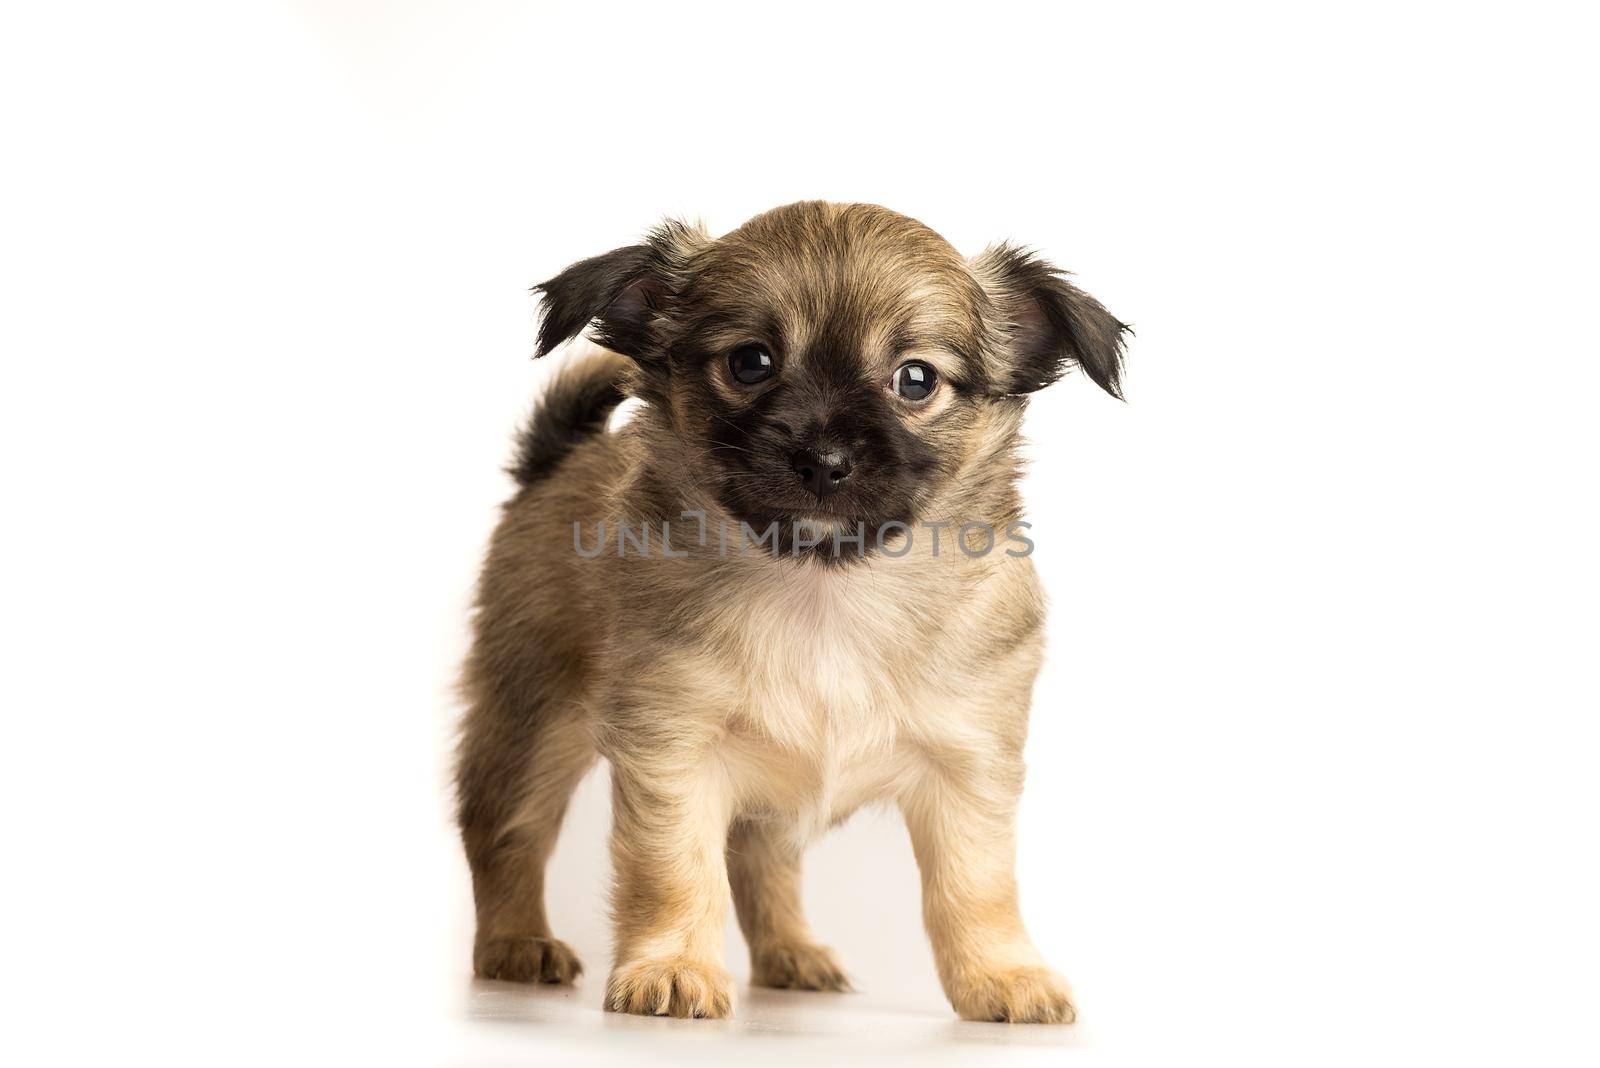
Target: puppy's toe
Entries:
(526, 960)
(797, 966)
(1029, 994)
(675, 986)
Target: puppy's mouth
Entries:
(827, 515)
(842, 525)
(786, 508)
(815, 532)
(825, 518)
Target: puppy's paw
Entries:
(797, 966)
(674, 986)
(526, 960)
(1028, 994)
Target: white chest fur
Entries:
(826, 637)
(822, 685)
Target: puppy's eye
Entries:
(751, 364)
(914, 380)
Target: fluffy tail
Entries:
(575, 406)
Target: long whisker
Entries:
(725, 419)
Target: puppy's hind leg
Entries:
(515, 780)
(764, 874)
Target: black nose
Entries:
(821, 472)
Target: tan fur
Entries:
(746, 704)
(764, 874)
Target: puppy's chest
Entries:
(831, 643)
(828, 685)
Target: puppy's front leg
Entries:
(670, 822)
(961, 813)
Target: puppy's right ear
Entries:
(622, 291)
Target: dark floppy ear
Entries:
(620, 290)
(1051, 322)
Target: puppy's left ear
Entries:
(1051, 323)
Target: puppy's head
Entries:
(839, 363)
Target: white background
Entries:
(1313, 760)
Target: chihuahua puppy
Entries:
(774, 595)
